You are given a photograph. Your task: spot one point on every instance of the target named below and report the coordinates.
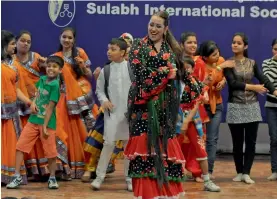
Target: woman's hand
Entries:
(259, 88)
(172, 73)
(275, 93)
(108, 106)
(42, 59)
(34, 108)
(80, 61)
(96, 72)
(42, 62)
(208, 79)
(220, 85)
(227, 64)
(206, 97)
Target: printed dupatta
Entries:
(153, 89)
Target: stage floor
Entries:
(114, 186)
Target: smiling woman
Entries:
(76, 99)
(10, 121)
(155, 156)
(243, 110)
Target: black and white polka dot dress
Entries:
(155, 155)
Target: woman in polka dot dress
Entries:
(155, 155)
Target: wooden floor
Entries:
(114, 186)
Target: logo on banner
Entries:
(61, 12)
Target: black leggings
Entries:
(246, 132)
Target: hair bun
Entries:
(166, 13)
(127, 36)
(163, 14)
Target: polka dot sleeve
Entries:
(150, 69)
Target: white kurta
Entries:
(116, 126)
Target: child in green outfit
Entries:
(42, 122)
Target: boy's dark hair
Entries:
(188, 60)
(120, 42)
(56, 59)
(274, 41)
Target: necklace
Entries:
(23, 60)
(67, 54)
(6, 61)
(241, 61)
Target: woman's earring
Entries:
(5, 52)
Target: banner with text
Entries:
(97, 22)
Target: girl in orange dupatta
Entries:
(31, 64)
(11, 128)
(215, 64)
(77, 101)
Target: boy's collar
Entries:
(44, 79)
(118, 62)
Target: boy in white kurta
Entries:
(115, 106)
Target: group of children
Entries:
(42, 123)
(103, 134)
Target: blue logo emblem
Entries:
(61, 12)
